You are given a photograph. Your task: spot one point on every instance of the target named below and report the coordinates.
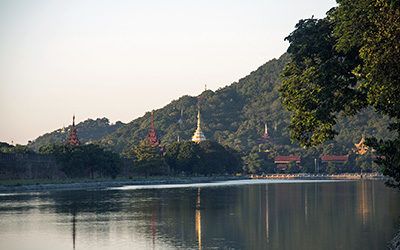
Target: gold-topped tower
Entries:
(198, 134)
(361, 147)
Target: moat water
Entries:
(259, 214)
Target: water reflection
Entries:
(266, 215)
(153, 228)
(198, 218)
(365, 202)
(73, 230)
(340, 215)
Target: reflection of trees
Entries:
(73, 229)
(89, 211)
(273, 216)
(153, 227)
(21, 203)
(175, 210)
(281, 216)
(90, 202)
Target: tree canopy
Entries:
(205, 158)
(88, 131)
(339, 66)
(87, 161)
(148, 159)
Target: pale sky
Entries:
(119, 59)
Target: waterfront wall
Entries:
(37, 166)
(341, 176)
(29, 166)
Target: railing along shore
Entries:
(344, 176)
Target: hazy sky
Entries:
(119, 59)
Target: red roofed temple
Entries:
(152, 135)
(73, 135)
(282, 161)
(335, 158)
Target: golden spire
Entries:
(361, 147)
(198, 118)
(198, 135)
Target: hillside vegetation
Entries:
(89, 131)
(233, 115)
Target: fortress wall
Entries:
(37, 166)
(29, 166)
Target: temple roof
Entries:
(334, 158)
(287, 159)
(361, 147)
(73, 135)
(152, 135)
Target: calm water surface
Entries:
(241, 215)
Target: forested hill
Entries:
(235, 116)
(88, 131)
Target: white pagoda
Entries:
(198, 134)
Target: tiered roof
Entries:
(73, 135)
(152, 135)
(361, 147)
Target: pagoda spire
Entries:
(73, 135)
(265, 136)
(180, 121)
(152, 135)
(198, 135)
(361, 147)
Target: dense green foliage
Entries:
(342, 65)
(258, 163)
(4, 147)
(86, 161)
(10, 149)
(235, 115)
(148, 159)
(205, 158)
(89, 131)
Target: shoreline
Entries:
(102, 184)
(110, 183)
